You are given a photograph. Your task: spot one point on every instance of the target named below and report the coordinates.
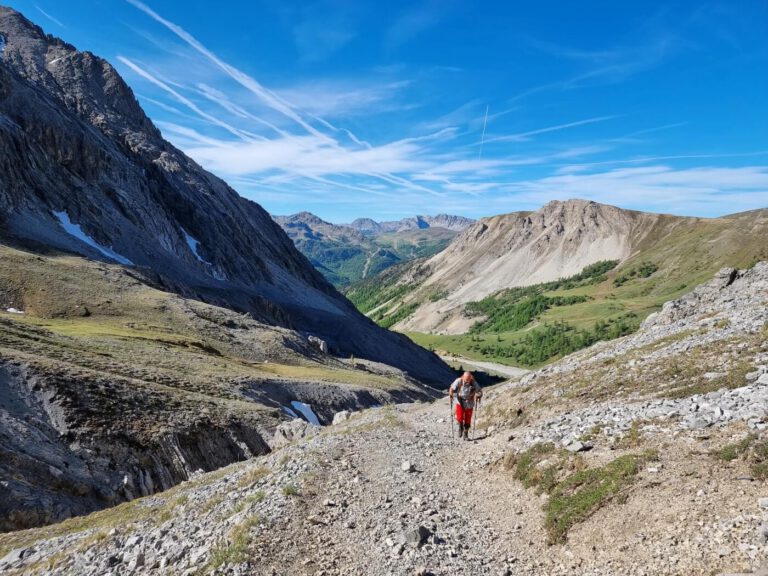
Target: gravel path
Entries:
(503, 369)
(389, 492)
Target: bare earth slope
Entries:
(632, 457)
(559, 240)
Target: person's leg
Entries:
(467, 421)
(460, 418)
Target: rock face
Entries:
(50, 473)
(82, 169)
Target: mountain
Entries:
(371, 227)
(152, 322)
(504, 274)
(85, 171)
(345, 254)
(630, 457)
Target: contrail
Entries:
(482, 137)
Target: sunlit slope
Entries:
(666, 257)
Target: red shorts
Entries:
(463, 415)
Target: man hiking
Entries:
(467, 390)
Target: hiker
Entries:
(467, 390)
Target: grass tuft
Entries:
(290, 490)
(252, 476)
(581, 494)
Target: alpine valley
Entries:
(184, 390)
(347, 253)
(528, 287)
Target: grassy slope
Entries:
(687, 253)
(143, 351)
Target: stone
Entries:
(407, 466)
(577, 446)
(416, 537)
(288, 432)
(764, 532)
(319, 344)
(340, 417)
(14, 555)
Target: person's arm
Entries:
(451, 389)
(478, 390)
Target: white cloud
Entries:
(51, 18)
(344, 99)
(705, 191)
(525, 136)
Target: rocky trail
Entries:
(389, 492)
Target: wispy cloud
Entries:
(344, 98)
(289, 143)
(183, 99)
(413, 22)
(524, 136)
(51, 18)
(268, 97)
(713, 190)
(609, 66)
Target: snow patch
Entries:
(290, 412)
(14, 311)
(54, 60)
(2, 44)
(306, 411)
(194, 245)
(74, 230)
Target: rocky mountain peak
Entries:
(84, 83)
(306, 218)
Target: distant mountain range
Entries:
(446, 221)
(347, 253)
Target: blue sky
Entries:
(378, 109)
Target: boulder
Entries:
(340, 417)
(319, 344)
(288, 432)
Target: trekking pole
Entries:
(451, 401)
(474, 424)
